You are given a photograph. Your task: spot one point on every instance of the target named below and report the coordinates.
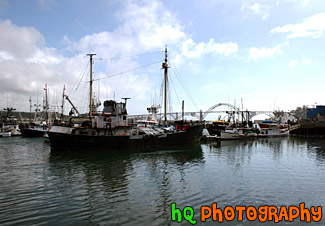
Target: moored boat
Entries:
(229, 134)
(40, 125)
(5, 134)
(9, 125)
(33, 129)
(270, 128)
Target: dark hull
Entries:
(62, 141)
(31, 133)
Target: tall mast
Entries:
(30, 109)
(46, 107)
(62, 106)
(91, 84)
(165, 67)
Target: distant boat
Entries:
(216, 127)
(269, 128)
(248, 132)
(9, 125)
(230, 134)
(40, 125)
(110, 129)
(33, 129)
(5, 134)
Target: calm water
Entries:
(39, 187)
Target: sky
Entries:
(255, 54)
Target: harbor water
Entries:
(40, 187)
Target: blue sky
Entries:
(267, 53)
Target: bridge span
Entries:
(200, 115)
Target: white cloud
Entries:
(301, 2)
(264, 8)
(20, 42)
(26, 65)
(192, 50)
(145, 26)
(257, 53)
(302, 61)
(306, 61)
(5, 56)
(148, 27)
(310, 27)
(293, 63)
(259, 9)
(46, 4)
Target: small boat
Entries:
(269, 128)
(5, 134)
(9, 125)
(40, 125)
(248, 132)
(206, 137)
(216, 127)
(210, 138)
(33, 129)
(230, 134)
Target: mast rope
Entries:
(124, 72)
(135, 55)
(171, 81)
(181, 81)
(82, 74)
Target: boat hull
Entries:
(32, 133)
(33, 129)
(274, 135)
(230, 135)
(5, 134)
(68, 141)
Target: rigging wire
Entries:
(82, 74)
(171, 82)
(124, 72)
(170, 106)
(161, 95)
(184, 86)
(135, 55)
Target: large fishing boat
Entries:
(110, 129)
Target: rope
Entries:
(113, 75)
(141, 54)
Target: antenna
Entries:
(125, 99)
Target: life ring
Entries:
(93, 132)
(109, 119)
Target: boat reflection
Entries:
(145, 180)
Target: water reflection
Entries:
(137, 188)
(314, 146)
(109, 180)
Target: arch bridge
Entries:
(233, 110)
